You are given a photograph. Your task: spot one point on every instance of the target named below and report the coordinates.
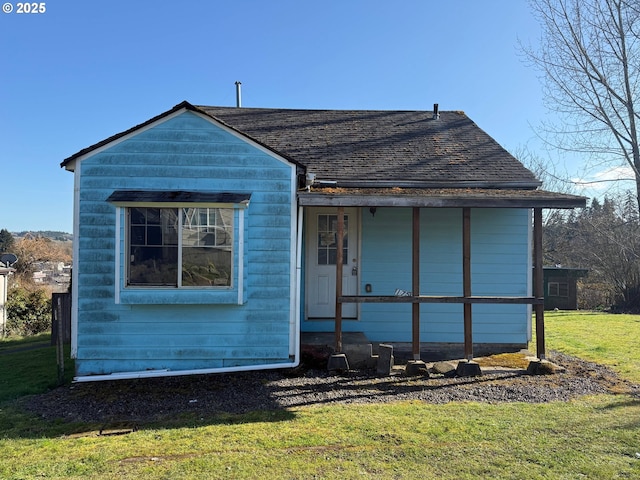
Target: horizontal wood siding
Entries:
(500, 266)
(186, 152)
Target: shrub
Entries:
(28, 312)
(593, 295)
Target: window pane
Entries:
(333, 257)
(207, 239)
(206, 267)
(327, 239)
(169, 222)
(224, 232)
(563, 290)
(138, 235)
(154, 235)
(153, 265)
(153, 216)
(153, 246)
(322, 223)
(138, 216)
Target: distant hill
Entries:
(53, 235)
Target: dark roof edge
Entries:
(453, 198)
(177, 196)
(182, 105)
(441, 184)
(568, 269)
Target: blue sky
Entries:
(83, 71)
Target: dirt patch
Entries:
(152, 399)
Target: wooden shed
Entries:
(561, 287)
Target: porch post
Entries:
(538, 282)
(415, 310)
(339, 268)
(466, 281)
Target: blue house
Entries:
(208, 239)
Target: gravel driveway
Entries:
(146, 400)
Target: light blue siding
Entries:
(169, 328)
(500, 267)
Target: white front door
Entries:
(321, 254)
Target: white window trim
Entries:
(240, 279)
(121, 236)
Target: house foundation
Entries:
(360, 352)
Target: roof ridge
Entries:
(342, 110)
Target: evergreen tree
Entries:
(605, 239)
(6, 241)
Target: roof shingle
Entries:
(395, 158)
(360, 147)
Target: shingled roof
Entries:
(383, 148)
(380, 157)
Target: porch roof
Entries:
(437, 198)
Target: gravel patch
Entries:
(146, 400)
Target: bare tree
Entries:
(545, 170)
(589, 57)
(32, 250)
(605, 239)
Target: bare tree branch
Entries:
(589, 58)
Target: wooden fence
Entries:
(60, 313)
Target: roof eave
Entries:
(515, 184)
(69, 163)
(463, 199)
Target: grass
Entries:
(592, 437)
(28, 366)
(595, 437)
(12, 343)
(612, 340)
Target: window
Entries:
(180, 247)
(327, 239)
(558, 289)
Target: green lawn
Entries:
(595, 437)
(15, 343)
(612, 340)
(29, 366)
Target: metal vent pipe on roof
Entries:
(436, 113)
(238, 94)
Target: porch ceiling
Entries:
(438, 198)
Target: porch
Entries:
(349, 350)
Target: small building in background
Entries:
(561, 287)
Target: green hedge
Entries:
(28, 312)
